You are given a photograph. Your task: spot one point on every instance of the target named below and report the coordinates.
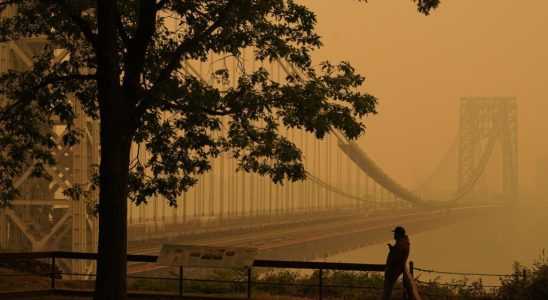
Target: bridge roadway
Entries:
(314, 240)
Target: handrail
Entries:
(152, 258)
(53, 255)
(22, 255)
(319, 265)
(6, 256)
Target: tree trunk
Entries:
(116, 134)
(112, 260)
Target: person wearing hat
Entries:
(395, 262)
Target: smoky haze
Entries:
(419, 67)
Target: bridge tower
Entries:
(484, 118)
(42, 218)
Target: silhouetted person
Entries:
(395, 262)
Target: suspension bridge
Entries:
(346, 192)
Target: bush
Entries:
(214, 283)
(457, 288)
(526, 283)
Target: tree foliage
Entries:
(180, 146)
(150, 54)
(423, 6)
(526, 282)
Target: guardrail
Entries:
(410, 289)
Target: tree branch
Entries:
(161, 3)
(216, 112)
(5, 113)
(84, 26)
(178, 54)
(250, 134)
(186, 45)
(135, 57)
(208, 111)
(121, 30)
(55, 79)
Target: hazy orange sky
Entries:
(419, 67)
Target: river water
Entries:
(490, 244)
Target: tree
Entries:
(123, 69)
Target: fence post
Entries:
(180, 280)
(249, 283)
(53, 271)
(320, 286)
(407, 289)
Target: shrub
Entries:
(526, 283)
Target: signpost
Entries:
(206, 256)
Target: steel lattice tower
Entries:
(43, 218)
(484, 118)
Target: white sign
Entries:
(206, 256)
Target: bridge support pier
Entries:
(484, 119)
(43, 218)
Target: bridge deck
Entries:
(351, 232)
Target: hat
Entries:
(399, 230)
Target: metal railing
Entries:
(410, 289)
